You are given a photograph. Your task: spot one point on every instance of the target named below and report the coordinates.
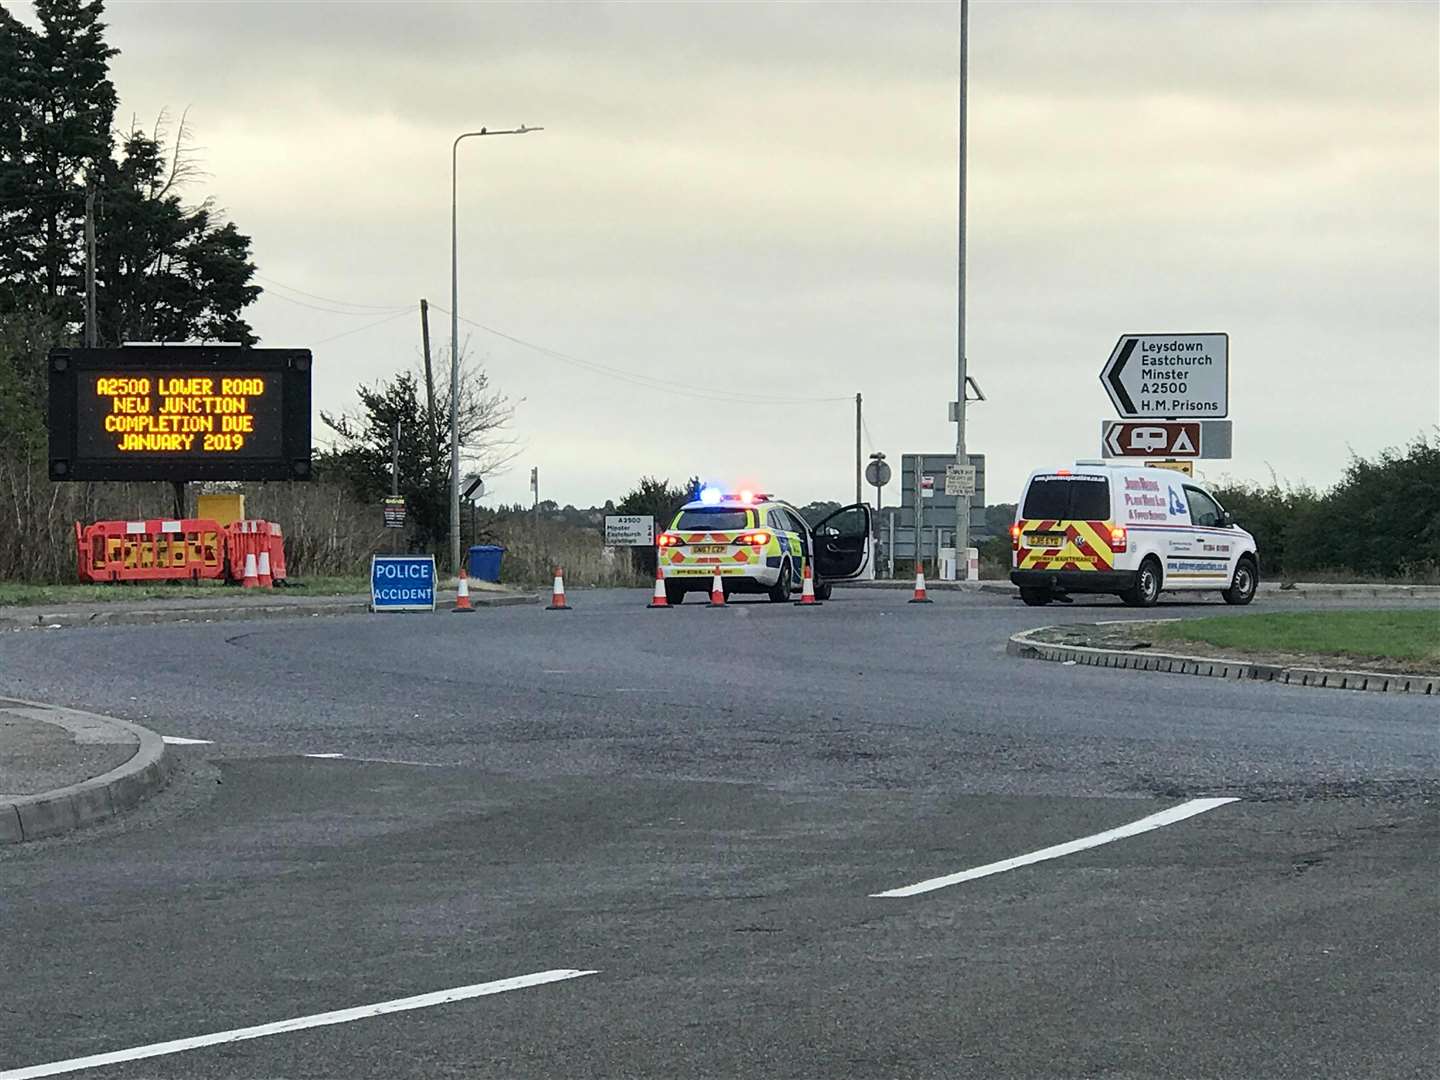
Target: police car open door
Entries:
(842, 543)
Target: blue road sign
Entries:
(402, 583)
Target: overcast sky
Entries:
(760, 199)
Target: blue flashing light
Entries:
(711, 496)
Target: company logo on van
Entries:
(1177, 504)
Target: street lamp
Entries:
(455, 338)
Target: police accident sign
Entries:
(1169, 375)
(402, 583)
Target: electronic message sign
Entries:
(180, 412)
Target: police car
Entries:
(1132, 531)
(758, 544)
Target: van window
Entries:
(1203, 509)
(1067, 498)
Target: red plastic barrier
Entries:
(277, 552)
(254, 537)
(152, 550)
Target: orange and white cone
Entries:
(557, 592)
(263, 568)
(659, 599)
(807, 592)
(462, 592)
(717, 591)
(920, 597)
(251, 580)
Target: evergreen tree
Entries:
(57, 104)
(166, 272)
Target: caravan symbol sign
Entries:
(1176, 376)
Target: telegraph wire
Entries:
(649, 382)
(361, 329)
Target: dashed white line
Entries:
(1134, 828)
(299, 1023)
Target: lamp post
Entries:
(455, 336)
(962, 502)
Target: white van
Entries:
(1133, 531)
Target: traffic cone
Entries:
(660, 599)
(266, 581)
(251, 580)
(920, 597)
(557, 592)
(717, 591)
(807, 592)
(462, 592)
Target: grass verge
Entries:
(21, 594)
(1412, 636)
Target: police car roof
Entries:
(730, 502)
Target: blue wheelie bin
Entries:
(484, 562)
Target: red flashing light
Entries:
(759, 539)
(747, 497)
(667, 540)
(1014, 537)
(1119, 539)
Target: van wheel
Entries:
(1146, 590)
(1242, 587)
(1035, 597)
(779, 593)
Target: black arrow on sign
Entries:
(1114, 374)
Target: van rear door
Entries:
(1064, 523)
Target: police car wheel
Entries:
(674, 593)
(1242, 587)
(1035, 597)
(1146, 590)
(780, 592)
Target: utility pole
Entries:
(91, 334)
(962, 502)
(535, 508)
(395, 475)
(859, 468)
(429, 374)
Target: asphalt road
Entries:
(698, 806)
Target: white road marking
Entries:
(177, 740)
(1134, 828)
(384, 760)
(299, 1023)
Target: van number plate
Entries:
(1052, 540)
(709, 549)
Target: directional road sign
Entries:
(1186, 467)
(1169, 375)
(1171, 438)
(629, 530)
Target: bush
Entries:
(1382, 520)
